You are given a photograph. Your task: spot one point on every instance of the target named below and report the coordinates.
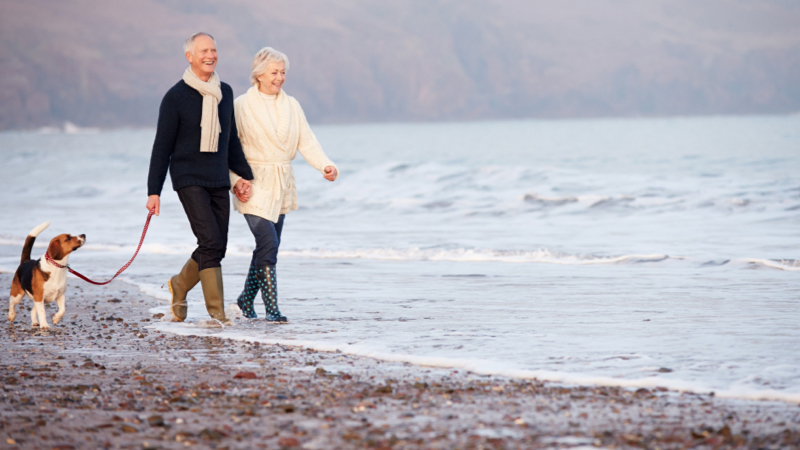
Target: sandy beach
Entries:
(103, 379)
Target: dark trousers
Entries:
(268, 239)
(208, 210)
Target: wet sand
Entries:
(102, 379)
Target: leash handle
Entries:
(141, 241)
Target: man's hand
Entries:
(331, 173)
(154, 204)
(243, 190)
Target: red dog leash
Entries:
(144, 232)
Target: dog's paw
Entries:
(44, 327)
(56, 319)
(11, 317)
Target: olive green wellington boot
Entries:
(179, 286)
(211, 280)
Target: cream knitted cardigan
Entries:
(270, 152)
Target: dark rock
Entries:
(287, 408)
(210, 434)
(155, 421)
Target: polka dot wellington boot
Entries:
(251, 287)
(269, 293)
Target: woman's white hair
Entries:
(188, 46)
(262, 59)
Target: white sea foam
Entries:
(790, 265)
(397, 254)
(482, 367)
(151, 289)
(508, 256)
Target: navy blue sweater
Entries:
(177, 143)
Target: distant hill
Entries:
(108, 63)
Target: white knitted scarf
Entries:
(212, 95)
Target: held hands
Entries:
(154, 204)
(331, 173)
(243, 190)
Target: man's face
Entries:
(203, 58)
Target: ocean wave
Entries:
(397, 254)
(483, 255)
(543, 256)
(589, 201)
(155, 249)
(780, 264)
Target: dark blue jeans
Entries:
(208, 210)
(268, 239)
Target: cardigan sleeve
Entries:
(309, 146)
(164, 144)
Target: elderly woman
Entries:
(272, 128)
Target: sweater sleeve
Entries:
(237, 162)
(164, 144)
(309, 146)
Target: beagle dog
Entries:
(45, 279)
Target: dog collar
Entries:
(50, 260)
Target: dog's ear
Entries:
(54, 249)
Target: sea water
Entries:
(629, 252)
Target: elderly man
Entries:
(196, 140)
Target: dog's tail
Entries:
(26, 249)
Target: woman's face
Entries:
(271, 81)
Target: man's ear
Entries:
(54, 249)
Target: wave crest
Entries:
(483, 255)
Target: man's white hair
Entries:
(262, 59)
(188, 46)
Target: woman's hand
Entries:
(331, 173)
(243, 190)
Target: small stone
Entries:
(351, 436)
(210, 434)
(287, 408)
(288, 442)
(155, 421)
(245, 376)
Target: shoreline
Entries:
(470, 366)
(103, 379)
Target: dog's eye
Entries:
(69, 238)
